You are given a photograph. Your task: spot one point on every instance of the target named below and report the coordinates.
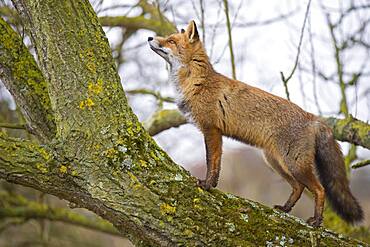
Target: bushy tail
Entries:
(332, 174)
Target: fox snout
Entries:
(158, 48)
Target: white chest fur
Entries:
(181, 102)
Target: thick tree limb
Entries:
(16, 206)
(22, 77)
(166, 209)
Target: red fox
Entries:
(299, 146)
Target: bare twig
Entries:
(201, 3)
(228, 25)
(232, 26)
(153, 93)
(268, 21)
(313, 65)
(361, 164)
(286, 79)
(21, 209)
(214, 28)
(13, 126)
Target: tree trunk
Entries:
(103, 160)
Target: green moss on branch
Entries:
(163, 120)
(350, 130)
(22, 77)
(157, 204)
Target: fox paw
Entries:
(283, 208)
(205, 184)
(314, 221)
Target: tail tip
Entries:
(353, 216)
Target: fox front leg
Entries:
(213, 142)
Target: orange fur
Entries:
(221, 106)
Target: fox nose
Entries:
(150, 38)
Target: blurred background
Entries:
(331, 78)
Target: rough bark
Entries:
(156, 203)
(350, 130)
(21, 76)
(103, 160)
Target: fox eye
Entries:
(172, 42)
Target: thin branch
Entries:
(151, 92)
(337, 53)
(268, 21)
(232, 26)
(18, 207)
(13, 126)
(286, 79)
(138, 22)
(313, 65)
(214, 29)
(361, 164)
(228, 25)
(201, 3)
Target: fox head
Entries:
(178, 48)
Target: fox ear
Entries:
(192, 32)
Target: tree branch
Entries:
(22, 77)
(16, 206)
(286, 79)
(350, 130)
(165, 208)
(228, 25)
(151, 92)
(163, 120)
(361, 164)
(13, 126)
(138, 22)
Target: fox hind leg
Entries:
(293, 198)
(297, 187)
(305, 174)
